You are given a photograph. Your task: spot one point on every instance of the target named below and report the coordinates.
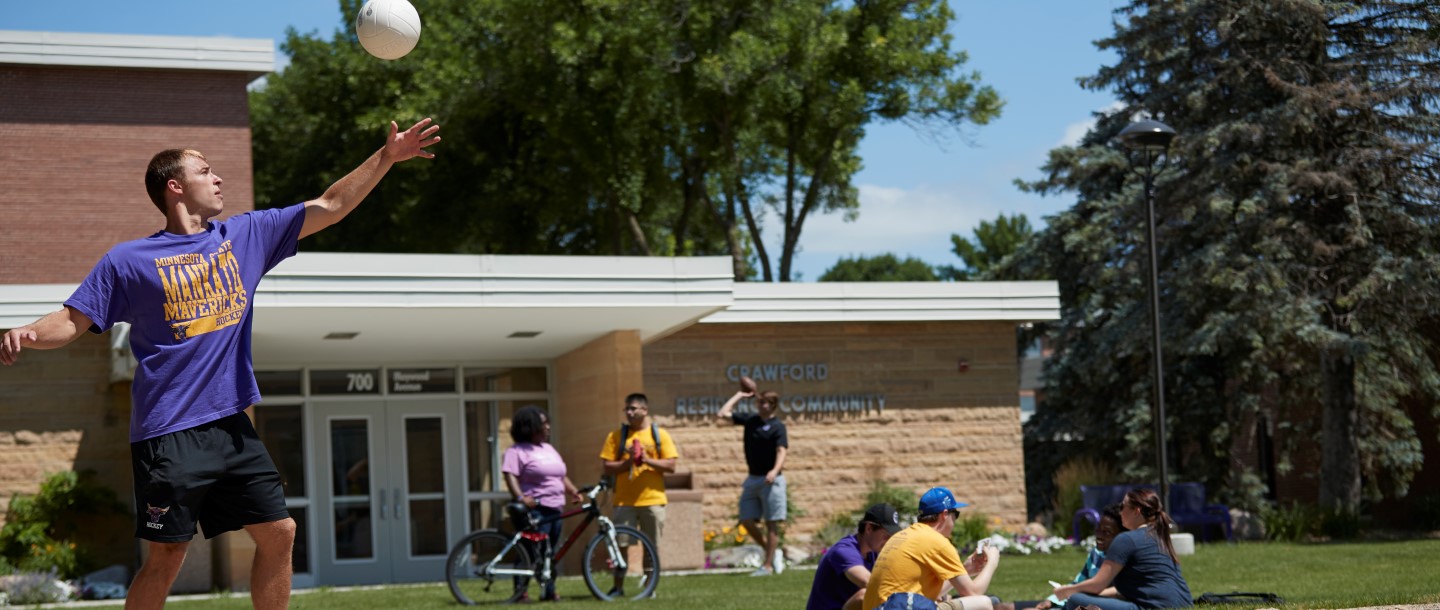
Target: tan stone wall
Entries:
(939, 425)
(58, 412)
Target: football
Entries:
(747, 384)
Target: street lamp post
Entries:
(1151, 139)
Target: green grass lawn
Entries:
(1306, 575)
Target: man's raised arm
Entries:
(348, 192)
(725, 411)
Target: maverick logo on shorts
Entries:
(155, 512)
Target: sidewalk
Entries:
(113, 603)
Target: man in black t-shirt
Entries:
(763, 494)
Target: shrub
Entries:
(843, 523)
(1340, 524)
(1425, 512)
(726, 537)
(970, 528)
(839, 526)
(39, 529)
(905, 501)
(1297, 523)
(1068, 479)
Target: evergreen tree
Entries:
(1297, 233)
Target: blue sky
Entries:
(916, 189)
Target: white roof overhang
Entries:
(413, 308)
(892, 302)
(254, 56)
(442, 309)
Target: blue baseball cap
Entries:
(938, 500)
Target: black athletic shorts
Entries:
(217, 474)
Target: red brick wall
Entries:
(77, 141)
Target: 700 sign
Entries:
(360, 382)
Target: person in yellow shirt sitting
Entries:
(638, 456)
(919, 561)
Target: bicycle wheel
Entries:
(602, 565)
(473, 563)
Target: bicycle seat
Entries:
(520, 516)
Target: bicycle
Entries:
(487, 566)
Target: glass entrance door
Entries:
(389, 499)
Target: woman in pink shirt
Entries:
(535, 475)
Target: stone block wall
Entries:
(913, 404)
(59, 412)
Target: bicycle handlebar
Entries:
(594, 490)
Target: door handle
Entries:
(382, 503)
(398, 511)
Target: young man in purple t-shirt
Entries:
(844, 569)
(187, 293)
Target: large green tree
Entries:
(644, 127)
(1297, 232)
(879, 268)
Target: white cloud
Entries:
(1078, 129)
(906, 222)
(1075, 131)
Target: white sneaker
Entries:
(762, 571)
(778, 561)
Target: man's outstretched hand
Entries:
(411, 143)
(11, 343)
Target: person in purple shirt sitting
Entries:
(844, 570)
(187, 292)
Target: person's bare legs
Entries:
(757, 532)
(271, 571)
(772, 541)
(152, 583)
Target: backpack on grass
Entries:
(1239, 598)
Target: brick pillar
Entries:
(591, 382)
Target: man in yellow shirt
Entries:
(916, 564)
(639, 461)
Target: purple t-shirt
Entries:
(540, 470)
(831, 589)
(188, 299)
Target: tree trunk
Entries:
(732, 236)
(755, 233)
(691, 183)
(786, 250)
(1340, 453)
(638, 232)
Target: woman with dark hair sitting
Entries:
(1141, 563)
(535, 475)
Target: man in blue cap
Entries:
(916, 564)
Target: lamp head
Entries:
(1147, 135)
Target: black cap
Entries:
(883, 515)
